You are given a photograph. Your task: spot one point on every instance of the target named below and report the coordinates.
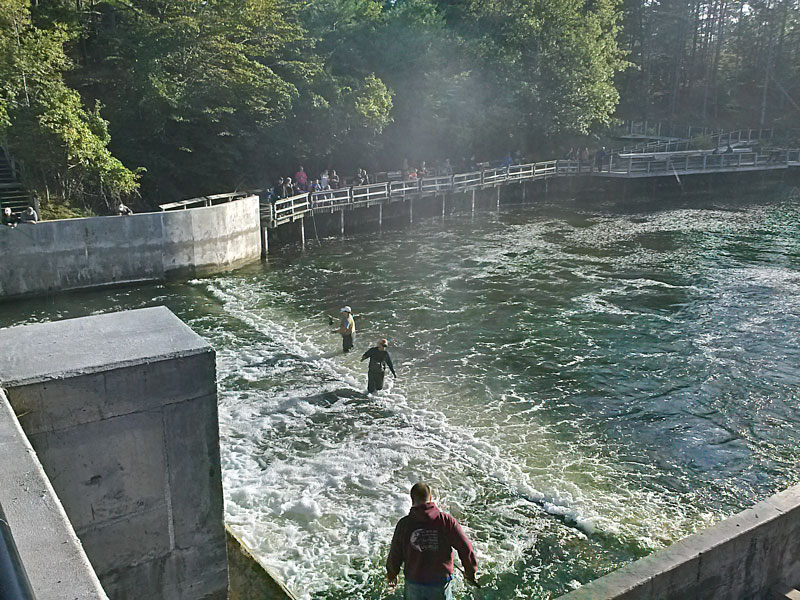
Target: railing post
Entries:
(630, 164)
(705, 156)
(739, 161)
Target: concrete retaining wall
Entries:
(250, 579)
(51, 553)
(77, 253)
(744, 557)
(122, 411)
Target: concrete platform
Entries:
(122, 411)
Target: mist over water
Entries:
(581, 384)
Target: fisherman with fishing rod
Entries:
(424, 540)
(347, 328)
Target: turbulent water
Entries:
(580, 383)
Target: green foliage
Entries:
(63, 146)
(211, 95)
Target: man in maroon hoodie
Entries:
(424, 540)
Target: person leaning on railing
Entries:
(30, 216)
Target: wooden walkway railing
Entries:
(692, 162)
(717, 138)
(286, 210)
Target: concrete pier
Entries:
(121, 410)
(754, 554)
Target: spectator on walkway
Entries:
(600, 158)
(30, 216)
(301, 178)
(123, 210)
(361, 177)
(324, 180)
(315, 186)
(286, 188)
(507, 160)
(334, 181)
(423, 170)
(277, 189)
(424, 540)
(447, 169)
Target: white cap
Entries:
(345, 309)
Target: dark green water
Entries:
(582, 384)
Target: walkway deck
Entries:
(636, 166)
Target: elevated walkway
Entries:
(620, 166)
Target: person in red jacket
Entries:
(424, 540)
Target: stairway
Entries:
(12, 194)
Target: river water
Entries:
(581, 383)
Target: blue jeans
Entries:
(418, 591)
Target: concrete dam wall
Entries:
(79, 253)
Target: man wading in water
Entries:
(379, 359)
(347, 328)
(424, 540)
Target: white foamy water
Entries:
(316, 475)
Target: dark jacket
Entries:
(378, 360)
(424, 540)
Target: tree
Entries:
(62, 145)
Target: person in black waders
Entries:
(379, 359)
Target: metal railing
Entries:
(695, 162)
(14, 583)
(206, 200)
(330, 198)
(716, 138)
(367, 194)
(286, 210)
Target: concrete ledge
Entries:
(122, 411)
(744, 556)
(248, 577)
(51, 553)
(69, 254)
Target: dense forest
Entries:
(154, 100)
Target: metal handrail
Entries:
(14, 582)
(286, 210)
(404, 188)
(463, 181)
(328, 198)
(369, 193)
(206, 200)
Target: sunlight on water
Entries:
(580, 384)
